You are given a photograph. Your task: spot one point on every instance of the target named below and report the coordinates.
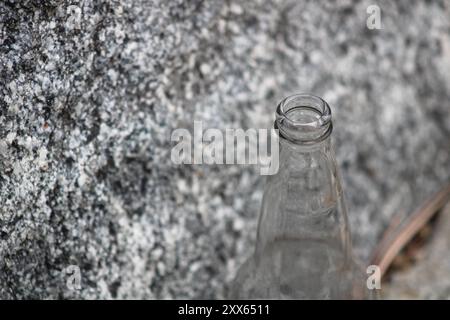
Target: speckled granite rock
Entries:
(90, 92)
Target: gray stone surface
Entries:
(90, 92)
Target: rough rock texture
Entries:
(90, 92)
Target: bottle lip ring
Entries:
(287, 125)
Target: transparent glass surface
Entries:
(303, 248)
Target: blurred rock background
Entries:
(90, 92)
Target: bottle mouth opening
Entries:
(303, 119)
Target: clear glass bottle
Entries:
(303, 248)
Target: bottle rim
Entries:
(303, 119)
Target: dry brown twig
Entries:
(395, 239)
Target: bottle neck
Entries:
(304, 201)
